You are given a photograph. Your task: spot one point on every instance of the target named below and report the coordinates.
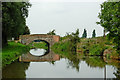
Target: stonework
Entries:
(51, 56)
(27, 39)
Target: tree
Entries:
(52, 32)
(74, 39)
(26, 31)
(93, 34)
(110, 20)
(84, 35)
(14, 16)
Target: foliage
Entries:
(93, 34)
(13, 19)
(74, 39)
(26, 30)
(110, 20)
(52, 32)
(95, 46)
(96, 50)
(63, 48)
(95, 61)
(69, 43)
(84, 35)
(12, 51)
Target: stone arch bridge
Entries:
(51, 56)
(27, 39)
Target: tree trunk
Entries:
(4, 40)
(104, 33)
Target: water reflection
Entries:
(38, 52)
(117, 73)
(52, 65)
(15, 70)
(29, 57)
(95, 61)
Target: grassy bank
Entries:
(12, 51)
(61, 47)
(42, 45)
(96, 47)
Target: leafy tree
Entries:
(84, 35)
(93, 34)
(26, 31)
(13, 19)
(74, 39)
(52, 32)
(110, 20)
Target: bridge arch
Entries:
(51, 39)
(39, 40)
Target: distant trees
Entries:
(93, 34)
(84, 35)
(52, 32)
(110, 20)
(14, 16)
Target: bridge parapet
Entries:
(51, 39)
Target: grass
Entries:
(40, 45)
(61, 47)
(12, 51)
(95, 46)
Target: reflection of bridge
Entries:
(51, 39)
(51, 56)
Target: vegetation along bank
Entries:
(12, 52)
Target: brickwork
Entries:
(51, 56)
(27, 39)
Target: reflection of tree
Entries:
(74, 64)
(73, 61)
(15, 70)
(117, 73)
(52, 62)
(95, 61)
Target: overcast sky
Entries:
(64, 16)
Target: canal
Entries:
(40, 63)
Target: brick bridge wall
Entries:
(51, 39)
(51, 56)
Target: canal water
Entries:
(37, 64)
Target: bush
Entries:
(96, 50)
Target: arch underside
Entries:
(38, 40)
(30, 40)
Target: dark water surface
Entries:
(52, 65)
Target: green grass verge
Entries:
(12, 51)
